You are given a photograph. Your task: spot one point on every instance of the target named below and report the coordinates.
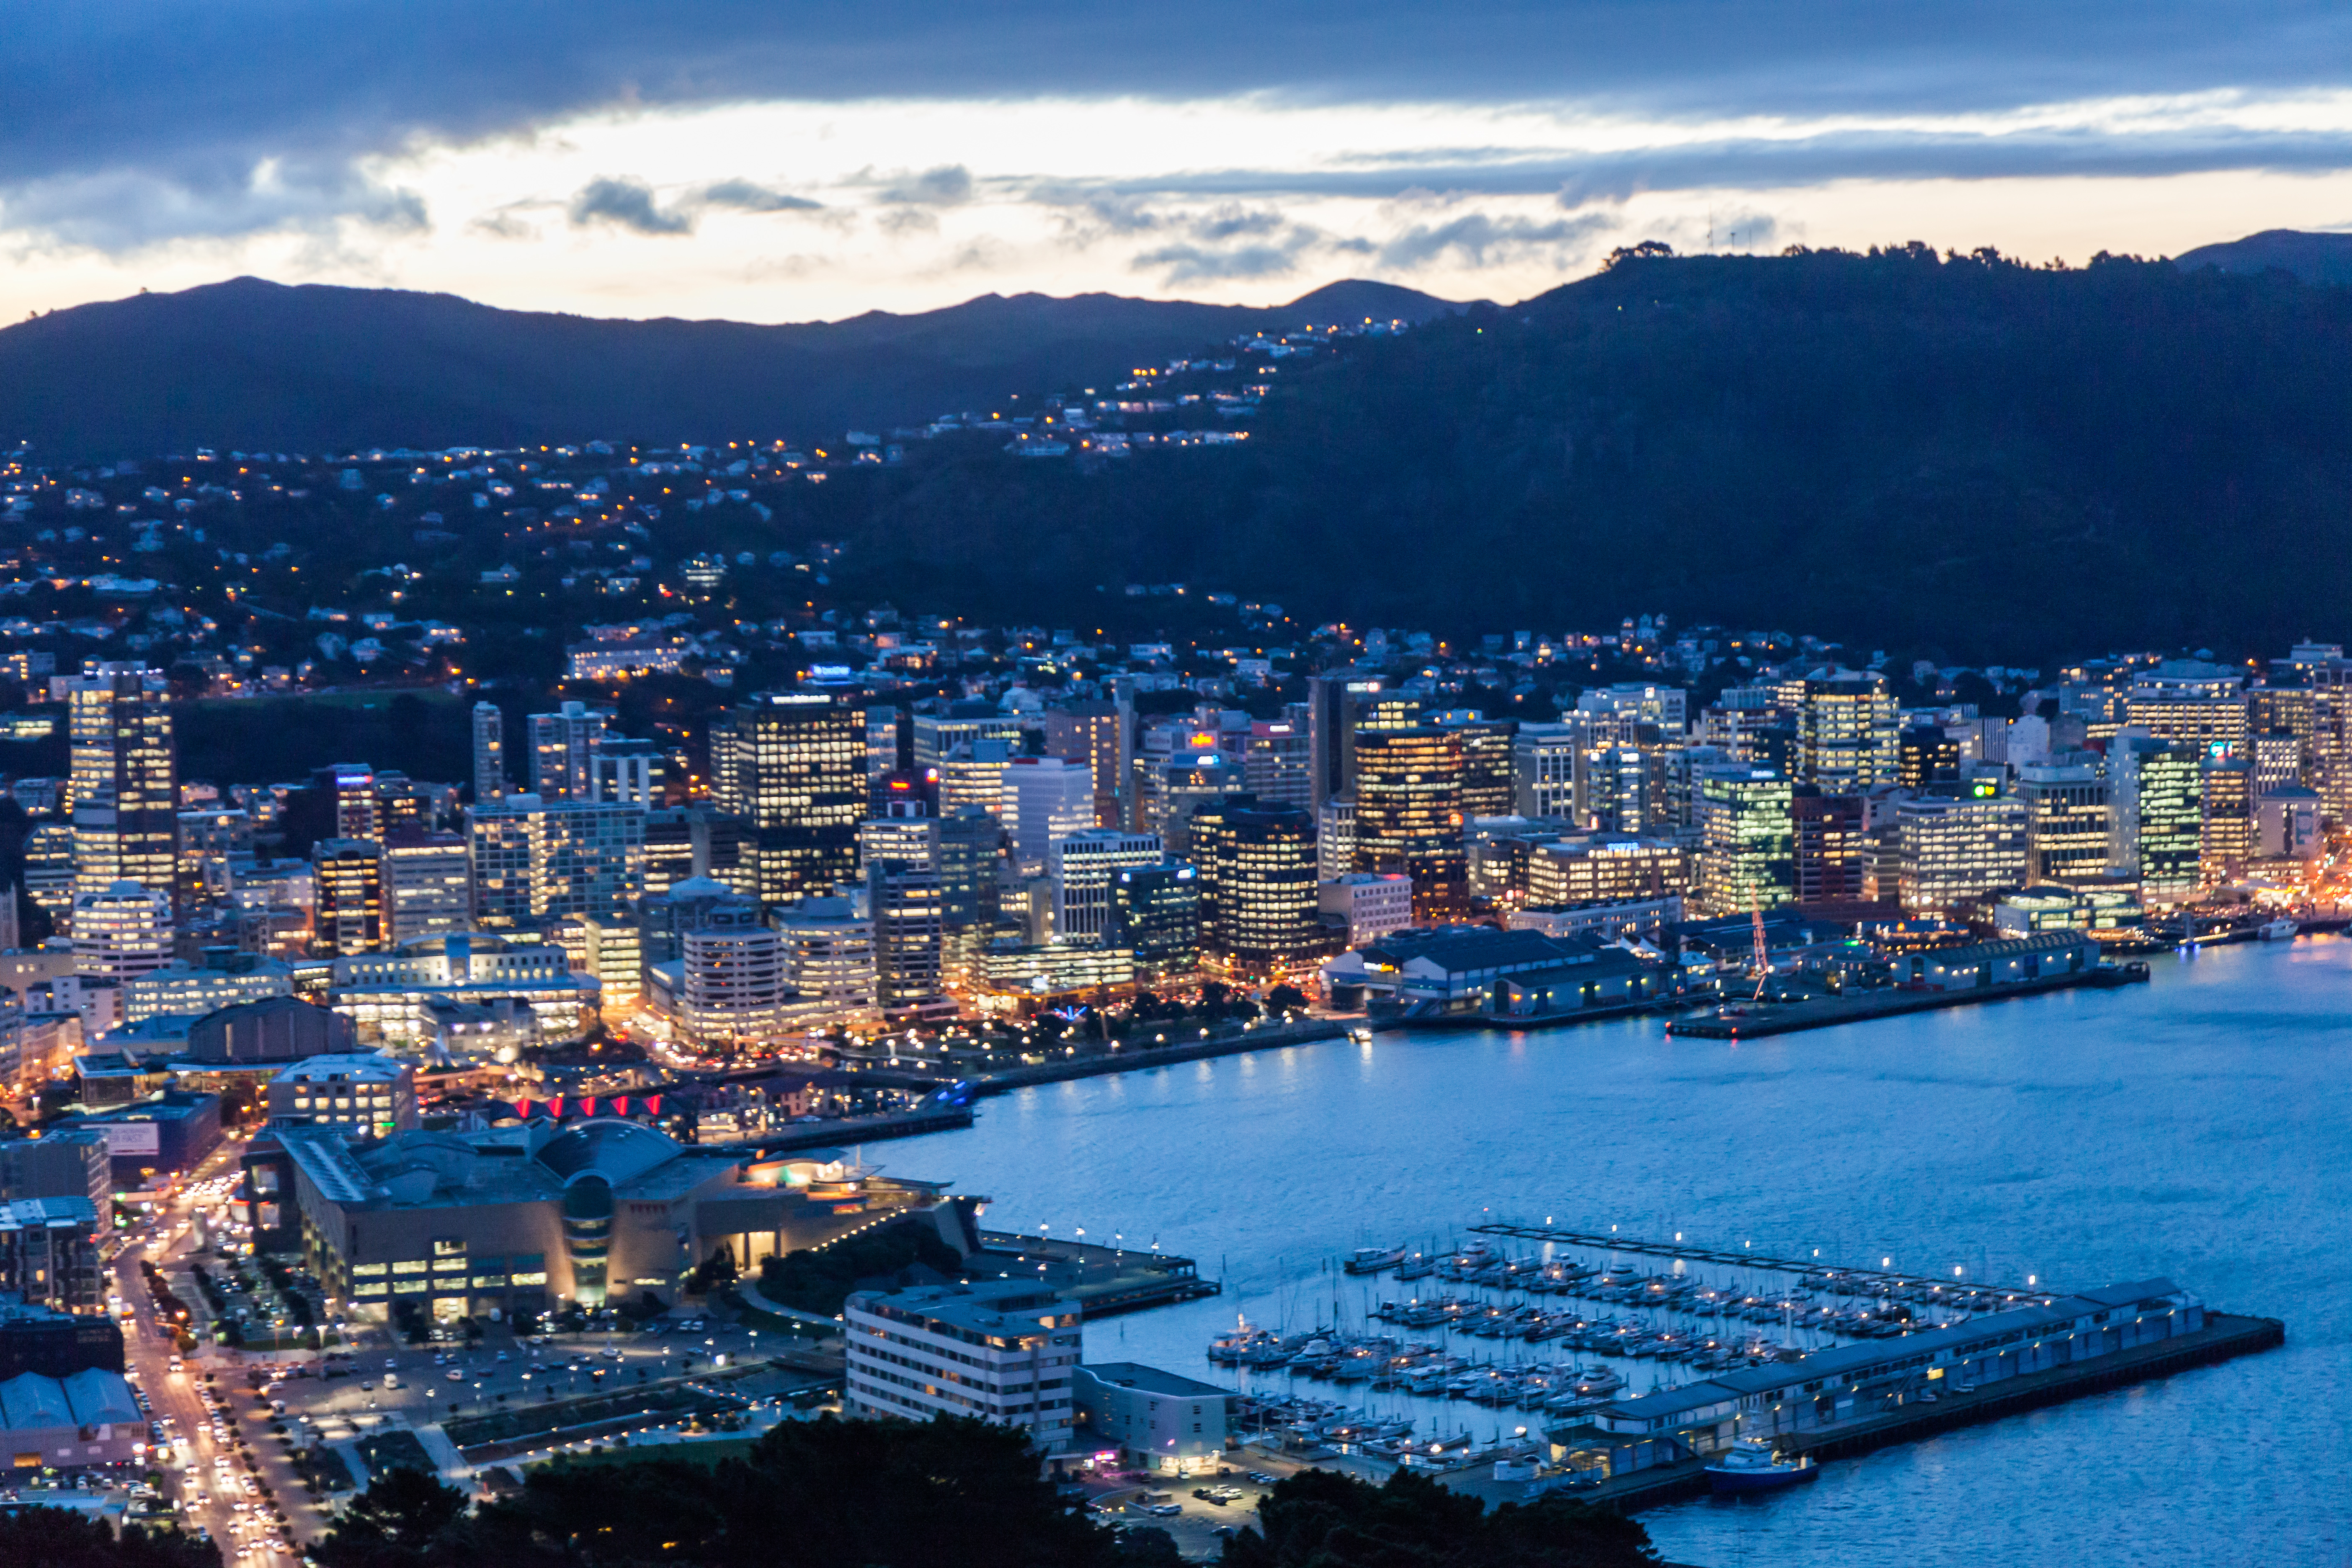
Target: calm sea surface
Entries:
(2199, 1126)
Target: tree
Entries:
(62, 1538)
(1319, 1519)
(403, 1515)
(1285, 998)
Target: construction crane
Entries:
(1763, 954)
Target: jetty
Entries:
(1749, 1021)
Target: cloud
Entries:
(745, 196)
(124, 210)
(1195, 263)
(504, 224)
(1231, 222)
(1475, 240)
(625, 203)
(946, 186)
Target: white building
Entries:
(427, 883)
(1373, 904)
(122, 932)
(731, 974)
(181, 990)
(1044, 799)
(367, 1095)
(1003, 1354)
(828, 953)
(1156, 1420)
(1084, 865)
(534, 858)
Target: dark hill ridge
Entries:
(2314, 258)
(252, 364)
(1959, 458)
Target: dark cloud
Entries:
(1233, 222)
(946, 186)
(1196, 263)
(745, 196)
(625, 203)
(96, 106)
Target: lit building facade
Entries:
(1083, 866)
(1409, 814)
(347, 903)
(1004, 1353)
(793, 765)
(428, 883)
(532, 858)
(2068, 809)
(1847, 732)
(122, 779)
(1956, 849)
(121, 932)
(1259, 915)
(1748, 840)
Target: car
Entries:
(1164, 1509)
(456, 1374)
(1261, 1478)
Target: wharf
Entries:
(841, 1132)
(1103, 1280)
(2224, 1337)
(1131, 1057)
(1487, 1018)
(1878, 1279)
(1821, 1013)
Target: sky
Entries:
(793, 161)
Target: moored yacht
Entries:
(1751, 1466)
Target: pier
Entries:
(1755, 1021)
(1104, 1281)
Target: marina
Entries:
(2194, 1126)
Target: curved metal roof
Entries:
(610, 1147)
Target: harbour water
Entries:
(2199, 1126)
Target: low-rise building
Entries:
(1004, 1353)
(1152, 1419)
(365, 1096)
(390, 996)
(49, 1254)
(1370, 904)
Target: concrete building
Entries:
(427, 884)
(390, 996)
(1956, 849)
(1099, 735)
(1002, 1352)
(49, 1253)
(1603, 867)
(1368, 905)
(2226, 822)
(2066, 820)
(361, 1095)
(731, 988)
(1044, 800)
(121, 932)
(66, 1164)
(1151, 1419)
(1410, 816)
(562, 751)
(1083, 866)
(828, 957)
(534, 858)
(2288, 824)
(520, 1219)
(1335, 838)
(347, 903)
(490, 778)
(224, 978)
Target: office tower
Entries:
(829, 960)
(1547, 765)
(1409, 816)
(1172, 789)
(1335, 838)
(489, 752)
(905, 898)
(969, 842)
(937, 734)
(1925, 755)
(1084, 867)
(208, 839)
(1830, 838)
(2189, 703)
(1155, 914)
(973, 775)
(347, 895)
(1044, 799)
(2287, 823)
(731, 984)
(345, 795)
(563, 746)
(1488, 747)
(2226, 819)
(1098, 734)
(882, 758)
(1959, 846)
(797, 772)
(2155, 814)
(669, 848)
(1338, 705)
(123, 783)
(1623, 785)
(1279, 763)
(2068, 812)
(534, 859)
(1848, 732)
(1604, 868)
(122, 932)
(2278, 759)
(1259, 916)
(628, 773)
(49, 871)
(428, 883)
(1746, 834)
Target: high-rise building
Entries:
(1099, 735)
(968, 841)
(631, 773)
(49, 871)
(937, 734)
(1488, 753)
(1155, 914)
(905, 898)
(731, 988)
(1624, 786)
(1084, 867)
(1847, 729)
(1044, 799)
(427, 882)
(1603, 868)
(489, 752)
(1259, 915)
(1830, 842)
(2155, 814)
(122, 784)
(534, 859)
(1747, 832)
(122, 932)
(2226, 818)
(1335, 838)
(1925, 755)
(563, 746)
(1957, 847)
(829, 960)
(347, 895)
(1409, 816)
(1172, 789)
(1547, 768)
(796, 769)
(1279, 763)
(2188, 703)
(2068, 807)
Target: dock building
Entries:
(1149, 1418)
(1005, 1353)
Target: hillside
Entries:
(2314, 258)
(1968, 457)
(252, 364)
